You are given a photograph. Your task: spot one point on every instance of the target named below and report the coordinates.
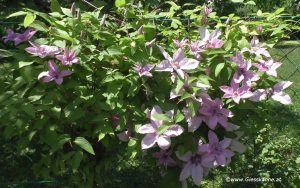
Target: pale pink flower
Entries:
(152, 130)
(68, 58)
(268, 66)
(54, 74)
(235, 92)
(178, 63)
(42, 50)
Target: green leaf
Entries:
(29, 19)
(250, 3)
(55, 7)
(5, 53)
(28, 109)
(16, 14)
(101, 136)
(23, 64)
(179, 117)
(131, 143)
(237, 1)
(163, 117)
(243, 43)
(120, 3)
(84, 144)
(219, 68)
(162, 129)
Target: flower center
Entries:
(196, 159)
(217, 148)
(176, 64)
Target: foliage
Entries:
(71, 130)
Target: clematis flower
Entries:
(143, 71)
(164, 158)
(279, 95)
(19, 37)
(11, 35)
(216, 151)
(177, 63)
(54, 74)
(152, 131)
(256, 48)
(259, 95)
(193, 122)
(42, 50)
(68, 58)
(276, 93)
(236, 145)
(180, 44)
(27, 35)
(268, 66)
(210, 40)
(235, 92)
(243, 72)
(196, 49)
(194, 166)
(214, 112)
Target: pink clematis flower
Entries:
(236, 145)
(68, 58)
(193, 122)
(177, 63)
(11, 35)
(268, 66)
(210, 40)
(216, 151)
(54, 74)
(214, 112)
(27, 35)
(194, 166)
(152, 131)
(236, 92)
(143, 71)
(164, 158)
(42, 50)
(276, 93)
(181, 44)
(243, 72)
(19, 38)
(196, 49)
(256, 48)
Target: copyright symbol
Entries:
(227, 179)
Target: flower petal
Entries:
(212, 137)
(164, 142)
(197, 174)
(148, 141)
(147, 128)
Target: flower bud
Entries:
(73, 9)
(140, 31)
(82, 34)
(102, 22)
(78, 16)
(207, 10)
(259, 29)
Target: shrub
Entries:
(92, 89)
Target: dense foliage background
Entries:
(40, 123)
